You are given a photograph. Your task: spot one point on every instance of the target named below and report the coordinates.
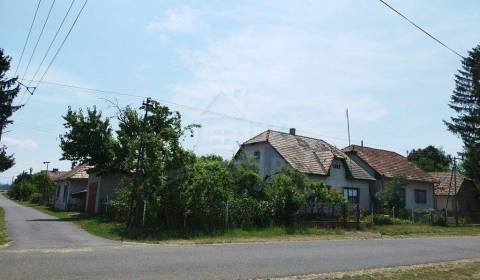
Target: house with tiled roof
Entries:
(71, 189)
(384, 165)
(316, 158)
(456, 188)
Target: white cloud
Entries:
(20, 143)
(181, 19)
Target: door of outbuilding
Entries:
(92, 198)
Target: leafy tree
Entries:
(286, 192)
(465, 101)
(393, 193)
(44, 186)
(430, 159)
(9, 89)
(208, 191)
(88, 139)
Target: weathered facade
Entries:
(101, 188)
(316, 158)
(464, 193)
(71, 188)
(384, 165)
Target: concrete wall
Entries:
(339, 181)
(410, 195)
(270, 161)
(106, 187)
(67, 187)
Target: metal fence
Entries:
(324, 215)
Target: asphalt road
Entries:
(30, 228)
(228, 261)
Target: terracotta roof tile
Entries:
(308, 155)
(389, 164)
(78, 172)
(444, 178)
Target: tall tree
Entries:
(9, 90)
(430, 159)
(465, 101)
(89, 139)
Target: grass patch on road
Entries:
(459, 270)
(425, 230)
(3, 230)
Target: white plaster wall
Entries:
(410, 195)
(270, 161)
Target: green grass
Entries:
(100, 226)
(3, 231)
(461, 270)
(424, 230)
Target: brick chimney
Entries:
(292, 131)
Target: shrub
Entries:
(36, 198)
(379, 219)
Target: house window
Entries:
(421, 196)
(352, 195)
(336, 165)
(256, 155)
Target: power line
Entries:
(38, 39)
(421, 29)
(203, 110)
(63, 42)
(53, 40)
(28, 36)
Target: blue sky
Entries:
(279, 63)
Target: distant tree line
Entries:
(37, 188)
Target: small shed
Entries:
(69, 186)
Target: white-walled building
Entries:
(71, 188)
(385, 165)
(316, 158)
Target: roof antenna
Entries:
(348, 127)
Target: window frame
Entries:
(347, 190)
(256, 155)
(417, 198)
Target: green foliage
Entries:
(465, 101)
(286, 196)
(430, 159)
(392, 195)
(37, 187)
(207, 192)
(380, 219)
(88, 139)
(9, 89)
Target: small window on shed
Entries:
(421, 196)
(256, 155)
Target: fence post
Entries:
(357, 214)
(344, 215)
(413, 217)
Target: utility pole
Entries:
(348, 126)
(46, 163)
(453, 179)
(133, 215)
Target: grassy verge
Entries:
(3, 230)
(459, 270)
(104, 228)
(425, 230)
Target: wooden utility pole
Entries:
(135, 203)
(46, 163)
(453, 179)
